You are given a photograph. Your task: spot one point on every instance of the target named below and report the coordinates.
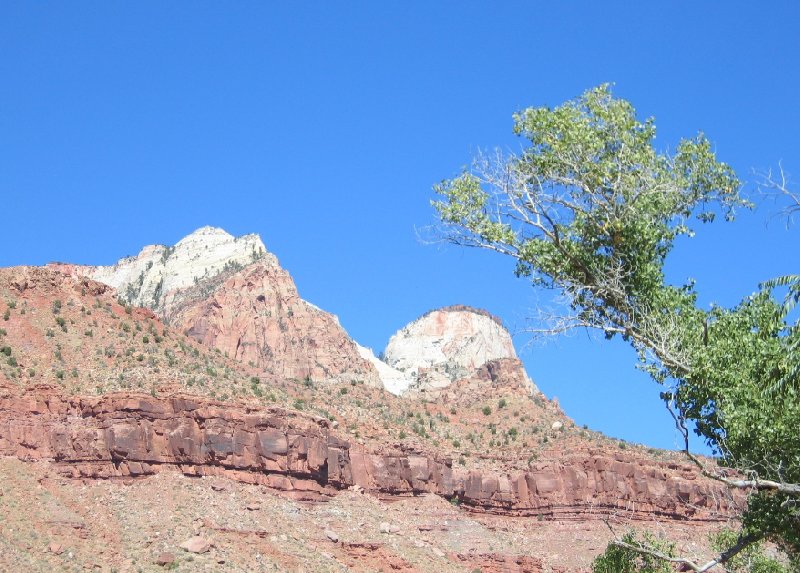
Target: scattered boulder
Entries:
(332, 535)
(389, 528)
(56, 548)
(197, 544)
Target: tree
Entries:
(592, 209)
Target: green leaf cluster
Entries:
(753, 559)
(618, 559)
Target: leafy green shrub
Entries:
(487, 410)
(618, 559)
(751, 559)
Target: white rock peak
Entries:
(443, 346)
(143, 279)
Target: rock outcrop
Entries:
(232, 295)
(124, 435)
(443, 346)
(257, 316)
(147, 278)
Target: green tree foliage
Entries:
(591, 208)
(752, 559)
(621, 559)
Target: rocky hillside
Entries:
(134, 439)
(232, 295)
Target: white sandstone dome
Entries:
(447, 344)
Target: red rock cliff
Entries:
(120, 435)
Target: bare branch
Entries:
(777, 185)
(741, 544)
(755, 484)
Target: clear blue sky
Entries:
(323, 125)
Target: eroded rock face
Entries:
(231, 294)
(120, 435)
(145, 279)
(446, 345)
(256, 315)
(393, 380)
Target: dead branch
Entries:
(688, 564)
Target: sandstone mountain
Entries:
(232, 295)
(153, 277)
(441, 347)
(128, 434)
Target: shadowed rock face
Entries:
(120, 435)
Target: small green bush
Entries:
(618, 559)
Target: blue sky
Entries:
(322, 126)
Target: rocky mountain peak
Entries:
(144, 279)
(442, 346)
(232, 295)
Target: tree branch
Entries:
(752, 484)
(742, 543)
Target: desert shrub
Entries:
(617, 559)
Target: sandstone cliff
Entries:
(146, 279)
(256, 315)
(119, 435)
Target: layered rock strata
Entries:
(123, 435)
